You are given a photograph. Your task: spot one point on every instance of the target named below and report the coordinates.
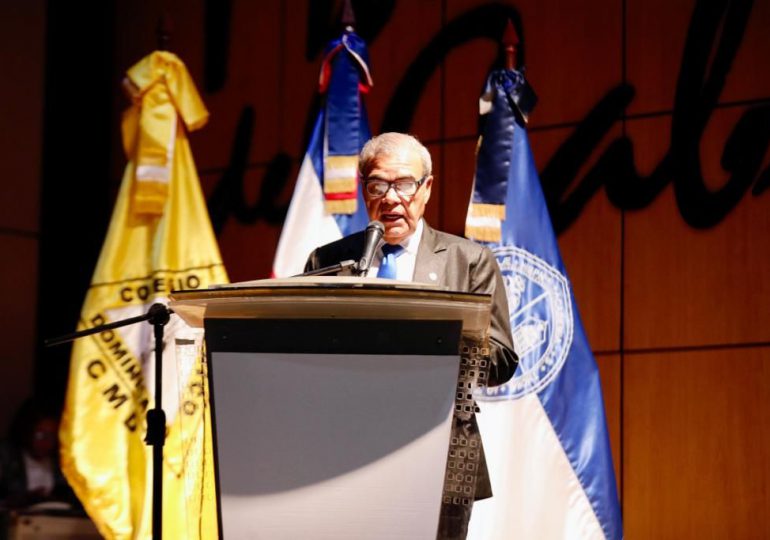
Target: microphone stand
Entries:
(158, 316)
(333, 269)
(372, 235)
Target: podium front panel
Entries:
(331, 429)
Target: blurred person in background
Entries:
(29, 459)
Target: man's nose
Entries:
(392, 195)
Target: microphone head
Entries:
(374, 224)
(374, 232)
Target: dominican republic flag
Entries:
(327, 203)
(544, 431)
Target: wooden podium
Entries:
(333, 404)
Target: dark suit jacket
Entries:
(463, 266)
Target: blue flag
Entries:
(327, 203)
(544, 432)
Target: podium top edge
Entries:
(354, 298)
(343, 289)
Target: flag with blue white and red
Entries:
(327, 203)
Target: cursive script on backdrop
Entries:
(714, 36)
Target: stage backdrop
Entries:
(651, 138)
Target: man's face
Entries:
(399, 214)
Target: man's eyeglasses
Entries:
(405, 187)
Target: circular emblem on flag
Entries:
(541, 318)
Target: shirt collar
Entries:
(413, 242)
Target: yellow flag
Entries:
(159, 239)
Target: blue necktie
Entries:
(388, 264)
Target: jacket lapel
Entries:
(430, 265)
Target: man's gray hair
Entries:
(389, 144)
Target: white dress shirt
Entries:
(406, 261)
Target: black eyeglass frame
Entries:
(392, 185)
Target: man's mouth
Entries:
(390, 218)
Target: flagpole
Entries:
(158, 316)
(510, 43)
(156, 420)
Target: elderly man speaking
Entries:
(395, 169)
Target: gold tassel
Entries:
(341, 206)
(483, 234)
(487, 210)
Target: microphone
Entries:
(374, 232)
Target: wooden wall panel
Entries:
(687, 286)
(137, 33)
(656, 36)
(746, 81)
(696, 443)
(409, 29)
(22, 55)
(299, 80)
(247, 245)
(591, 250)
(591, 247)
(714, 146)
(18, 302)
(22, 27)
(439, 191)
(254, 78)
(459, 167)
(467, 68)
